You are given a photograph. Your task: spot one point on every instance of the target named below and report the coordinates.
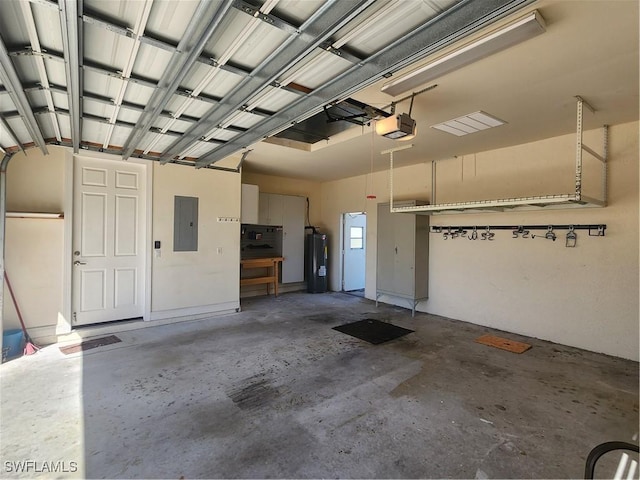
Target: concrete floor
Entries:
(274, 392)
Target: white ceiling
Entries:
(157, 77)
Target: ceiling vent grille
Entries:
(471, 123)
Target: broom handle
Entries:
(15, 304)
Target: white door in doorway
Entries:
(353, 251)
(108, 240)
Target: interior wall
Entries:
(206, 280)
(34, 267)
(34, 246)
(290, 186)
(35, 182)
(585, 296)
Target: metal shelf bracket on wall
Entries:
(564, 200)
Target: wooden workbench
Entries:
(271, 263)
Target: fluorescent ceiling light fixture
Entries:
(523, 29)
(471, 123)
(397, 127)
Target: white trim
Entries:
(149, 171)
(195, 313)
(64, 320)
(44, 335)
(64, 325)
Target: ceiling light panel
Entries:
(471, 123)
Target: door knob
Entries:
(78, 262)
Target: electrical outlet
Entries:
(228, 219)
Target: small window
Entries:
(356, 240)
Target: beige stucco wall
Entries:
(34, 266)
(585, 296)
(35, 182)
(34, 246)
(187, 284)
(204, 280)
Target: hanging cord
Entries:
(368, 183)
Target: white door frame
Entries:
(344, 246)
(64, 319)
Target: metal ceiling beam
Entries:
(11, 81)
(328, 19)
(462, 19)
(41, 68)
(95, 19)
(87, 66)
(138, 30)
(114, 151)
(145, 82)
(189, 49)
(72, 45)
(268, 18)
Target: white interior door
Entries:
(353, 248)
(108, 241)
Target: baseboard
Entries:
(45, 335)
(195, 313)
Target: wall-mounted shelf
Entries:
(574, 199)
(52, 216)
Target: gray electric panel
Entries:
(185, 224)
(403, 254)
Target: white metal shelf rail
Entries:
(567, 200)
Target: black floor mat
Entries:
(373, 331)
(89, 344)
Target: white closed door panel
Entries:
(108, 239)
(354, 245)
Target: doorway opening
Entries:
(354, 246)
